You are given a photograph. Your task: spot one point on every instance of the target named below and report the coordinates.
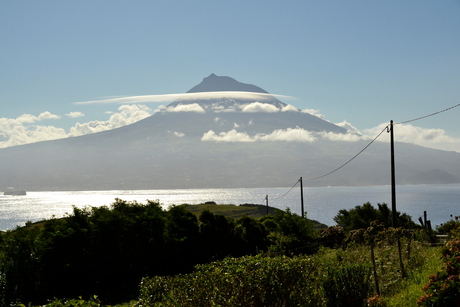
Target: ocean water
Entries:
(320, 203)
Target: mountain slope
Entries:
(169, 150)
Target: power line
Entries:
(432, 114)
(287, 191)
(315, 178)
(386, 128)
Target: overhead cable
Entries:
(315, 178)
(386, 128)
(432, 114)
(287, 191)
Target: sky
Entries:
(69, 68)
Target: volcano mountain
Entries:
(227, 135)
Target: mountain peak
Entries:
(214, 83)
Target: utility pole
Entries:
(266, 202)
(393, 181)
(301, 197)
(393, 197)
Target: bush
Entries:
(443, 289)
(92, 302)
(246, 281)
(347, 286)
(290, 234)
(332, 236)
(450, 227)
(362, 216)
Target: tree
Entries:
(362, 216)
(290, 233)
(217, 236)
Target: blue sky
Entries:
(363, 62)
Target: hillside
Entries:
(224, 143)
(233, 211)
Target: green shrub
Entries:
(347, 286)
(443, 288)
(332, 236)
(92, 302)
(246, 281)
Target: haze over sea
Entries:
(320, 203)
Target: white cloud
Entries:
(289, 108)
(314, 112)
(221, 109)
(47, 115)
(75, 114)
(185, 97)
(433, 138)
(29, 118)
(350, 128)
(128, 114)
(15, 132)
(21, 130)
(24, 130)
(231, 136)
(427, 137)
(284, 135)
(259, 107)
(193, 107)
(288, 135)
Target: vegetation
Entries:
(362, 216)
(108, 250)
(134, 254)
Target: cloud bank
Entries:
(427, 137)
(128, 114)
(279, 135)
(185, 97)
(23, 129)
(432, 138)
(193, 107)
(29, 128)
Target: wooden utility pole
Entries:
(393, 197)
(301, 197)
(393, 181)
(266, 202)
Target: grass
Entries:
(395, 290)
(411, 288)
(233, 211)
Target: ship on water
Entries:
(13, 191)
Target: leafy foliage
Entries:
(443, 289)
(108, 250)
(348, 286)
(451, 227)
(362, 216)
(332, 236)
(245, 281)
(290, 233)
